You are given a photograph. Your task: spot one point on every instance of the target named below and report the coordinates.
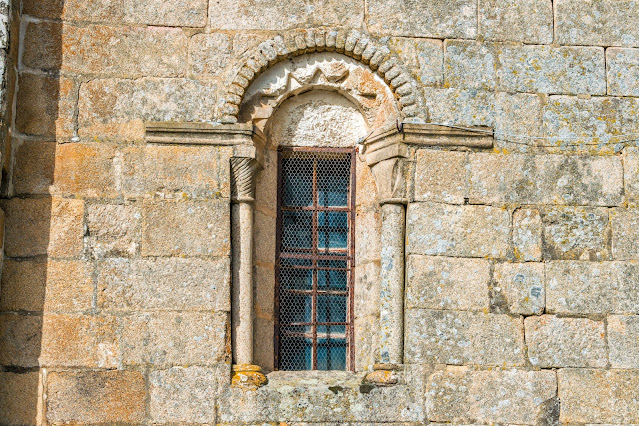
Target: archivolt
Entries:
(352, 43)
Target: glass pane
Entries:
(332, 280)
(296, 350)
(331, 354)
(300, 279)
(297, 230)
(333, 177)
(295, 308)
(332, 232)
(297, 181)
(331, 308)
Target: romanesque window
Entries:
(315, 259)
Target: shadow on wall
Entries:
(41, 273)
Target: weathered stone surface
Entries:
(460, 395)
(464, 231)
(367, 287)
(440, 176)
(118, 107)
(437, 19)
(266, 15)
(576, 233)
(527, 232)
(625, 233)
(623, 335)
(184, 394)
(596, 22)
(186, 228)
(58, 340)
(623, 71)
(469, 64)
(575, 287)
(631, 174)
(546, 69)
(520, 288)
(95, 396)
(209, 54)
(459, 337)
(529, 21)
(186, 13)
(114, 230)
(164, 284)
(85, 170)
(466, 107)
(20, 398)
(598, 396)
(545, 179)
(447, 283)
(43, 226)
(53, 286)
(34, 166)
(566, 342)
(170, 338)
(367, 236)
(517, 121)
(423, 57)
(42, 45)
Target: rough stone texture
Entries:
(575, 287)
(187, 228)
(170, 338)
(459, 337)
(465, 231)
(423, 57)
(95, 396)
(597, 22)
(625, 233)
(529, 21)
(20, 398)
(459, 395)
(470, 64)
(163, 284)
(623, 71)
(527, 234)
(447, 283)
(576, 233)
(520, 288)
(440, 176)
(437, 19)
(623, 338)
(466, 107)
(209, 54)
(566, 342)
(114, 230)
(545, 179)
(34, 166)
(631, 174)
(598, 396)
(518, 122)
(545, 69)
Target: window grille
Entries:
(315, 259)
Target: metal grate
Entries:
(315, 259)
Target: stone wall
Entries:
(522, 273)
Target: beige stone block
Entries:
(631, 174)
(464, 107)
(114, 230)
(366, 341)
(461, 337)
(53, 286)
(566, 342)
(598, 396)
(368, 229)
(576, 233)
(440, 176)
(575, 287)
(20, 398)
(117, 108)
(95, 396)
(263, 344)
(437, 19)
(447, 283)
(623, 340)
(186, 228)
(185, 394)
(520, 288)
(457, 231)
(85, 170)
(623, 71)
(530, 21)
(42, 47)
(518, 120)
(188, 171)
(546, 69)
(50, 226)
(366, 191)
(423, 57)
(187, 13)
(527, 234)
(264, 291)
(209, 54)
(264, 236)
(45, 105)
(625, 233)
(465, 396)
(596, 22)
(34, 167)
(58, 341)
(170, 338)
(266, 15)
(126, 285)
(367, 288)
(469, 64)
(545, 179)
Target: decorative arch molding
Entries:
(349, 42)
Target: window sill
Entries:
(280, 379)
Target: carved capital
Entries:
(243, 170)
(248, 377)
(390, 178)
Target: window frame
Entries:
(350, 258)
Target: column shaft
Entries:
(242, 213)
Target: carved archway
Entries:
(351, 43)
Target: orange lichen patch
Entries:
(248, 377)
(85, 170)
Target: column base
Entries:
(383, 375)
(248, 376)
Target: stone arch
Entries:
(351, 43)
